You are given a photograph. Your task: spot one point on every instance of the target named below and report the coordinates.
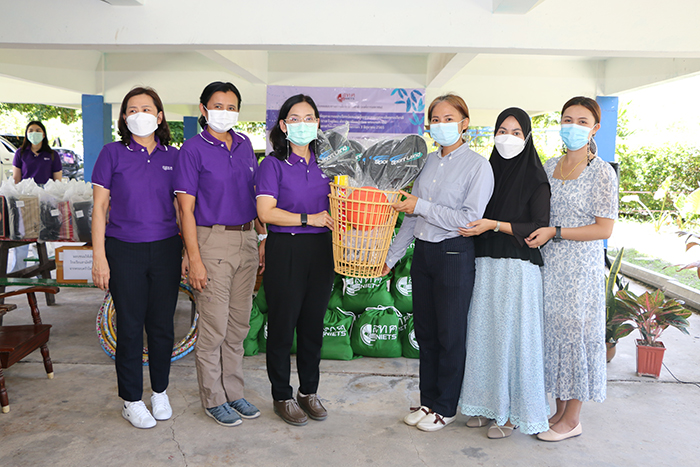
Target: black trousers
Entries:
(442, 275)
(144, 282)
(298, 278)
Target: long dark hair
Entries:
(163, 130)
(45, 147)
(278, 138)
(216, 86)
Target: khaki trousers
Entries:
(231, 260)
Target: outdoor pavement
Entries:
(75, 419)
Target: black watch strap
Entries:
(557, 235)
(304, 219)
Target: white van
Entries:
(7, 153)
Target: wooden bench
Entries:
(43, 269)
(16, 342)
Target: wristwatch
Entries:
(557, 235)
(304, 219)
(498, 226)
(261, 237)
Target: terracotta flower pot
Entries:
(649, 359)
(611, 351)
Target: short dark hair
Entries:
(586, 102)
(45, 146)
(210, 90)
(163, 130)
(278, 138)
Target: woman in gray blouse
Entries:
(452, 190)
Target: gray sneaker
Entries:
(224, 415)
(244, 408)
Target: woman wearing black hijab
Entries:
(504, 371)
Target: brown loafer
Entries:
(311, 404)
(290, 412)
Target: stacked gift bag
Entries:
(58, 211)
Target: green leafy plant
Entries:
(651, 313)
(615, 330)
(661, 194)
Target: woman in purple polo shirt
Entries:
(292, 196)
(214, 185)
(35, 159)
(137, 254)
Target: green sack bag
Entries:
(336, 300)
(361, 293)
(260, 300)
(250, 343)
(401, 287)
(262, 338)
(407, 334)
(376, 333)
(337, 329)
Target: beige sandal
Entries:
(478, 422)
(499, 432)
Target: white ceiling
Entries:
(495, 53)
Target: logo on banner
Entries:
(346, 96)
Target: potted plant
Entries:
(614, 330)
(651, 313)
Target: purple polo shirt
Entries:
(222, 180)
(141, 190)
(40, 167)
(297, 187)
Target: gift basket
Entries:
(366, 183)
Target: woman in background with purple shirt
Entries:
(35, 159)
(137, 254)
(215, 188)
(292, 196)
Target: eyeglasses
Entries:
(307, 119)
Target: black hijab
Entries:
(515, 179)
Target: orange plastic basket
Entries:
(363, 228)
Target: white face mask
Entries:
(509, 146)
(221, 121)
(142, 124)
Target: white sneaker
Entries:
(138, 414)
(434, 422)
(160, 405)
(416, 415)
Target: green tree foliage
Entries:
(177, 133)
(647, 168)
(43, 112)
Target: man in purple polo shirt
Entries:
(215, 190)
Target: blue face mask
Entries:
(301, 133)
(574, 136)
(445, 134)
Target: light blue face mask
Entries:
(35, 137)
(445, 134)
(574, 136)
(301, 133)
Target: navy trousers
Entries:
(144, 282)
(298, 279)
(442, 275)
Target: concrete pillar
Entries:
(606, 136)
(190, 127)
(97, 130)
